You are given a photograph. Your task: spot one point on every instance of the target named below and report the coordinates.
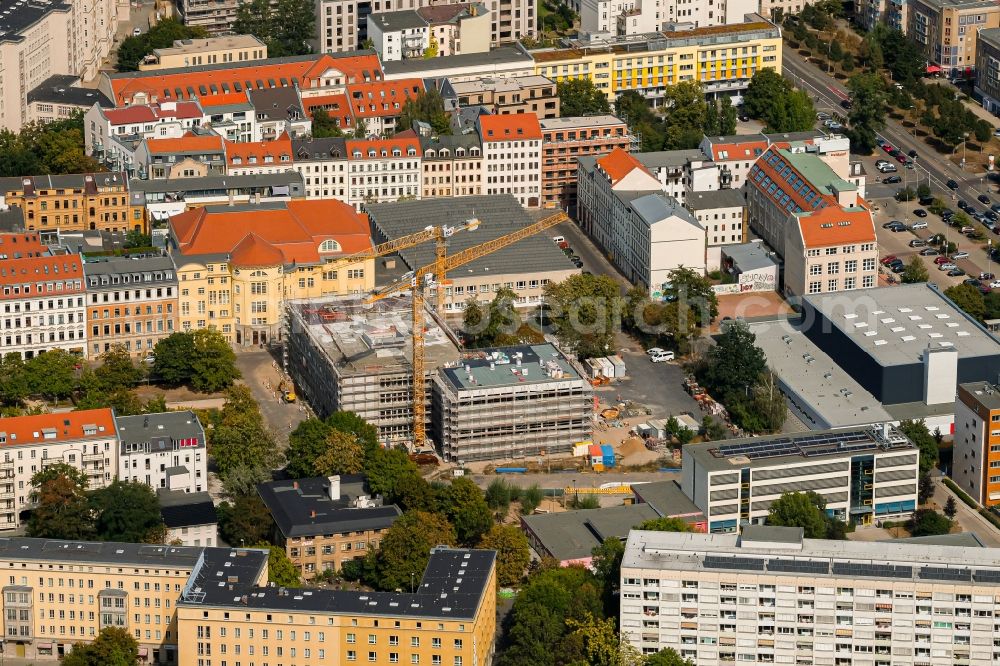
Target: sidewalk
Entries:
(969, 519)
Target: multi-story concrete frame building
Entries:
(43, 305)
(86, 440)
(165, 450)
(770, 596)
(976, 461)
(505, 95)
(946, 31)
(512, 156)
(864, 475)
(566, 139)
(988, 69)
(74, 202)
(237, 264)
(516, 402)
(323, 522)
(165, 198)
(210, 51)
(60, 96)
(130, 302)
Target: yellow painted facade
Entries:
(247, 303)
(721, 62)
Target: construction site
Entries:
(510, 403)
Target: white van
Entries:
(662, 356)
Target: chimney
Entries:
(334, 487)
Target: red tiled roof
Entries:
(306, 71)
(618, 163)
(382, 98)
(288, 234)
(63, 427)
(260, 150)
(510, 127)
(33, 275)
(403, 141)
(147, 113)
(17, 245)
(225, 99)
(738, 151)
(834, 225)
(189, 143)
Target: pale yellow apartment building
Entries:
(208, 51)
(237, 264)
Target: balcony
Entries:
(89, 457)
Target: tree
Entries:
(917, 433)
(581, 310)
(127, 511)
(684, 111)
(413, 492)
(923, 190)
(240, 440)
(983, 131)
(287, 29)
(498, 495)
(531, 498)
(350, 422)
(735, 363)
(162, 35)
(114, 646)
(667, 657)
(244, 521)
(50, 148)
(464, 505)
(950, 507)
(52, 374)
(62, 510)
(968, 298)
(213, 367)
(665, 524)
(135, 238)
(803, 510)
(512, 552)
(915, 271)
(428, 107)
(772, 99)
(405, 549)
(385, 468)
(868, 109)
(606, 562)
(927, 522)
(601, 643)
(323, 125)
(344, 454)
(117, 369)
(580, 97)
(174, 356)
(691, 287)
(925, 488)
(633, 108)
(765, 86)
(280, 569)
(14, 380)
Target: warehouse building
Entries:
(903, 344)
(771, 596)
(865, 474)
(511, 402)
(345, 354)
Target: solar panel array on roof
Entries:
(737, 563)
(986, 576)
(799, 566)
(943, 573)
(872, 570)
(782, 446)
(809, 445)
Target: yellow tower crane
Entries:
(426, 277)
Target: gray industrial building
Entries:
(345, 354)
(903, 344)
(509, 403)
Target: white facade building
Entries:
(383, 170)
(721, 213)
(166, 120)
(635, 17)
(770, 596)
(512, 155)
(165, 450)
(866, 474)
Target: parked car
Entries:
(901, 158)
(990, 215)
(947, 266)
(920, 212)
(653, 351)
(892, 180)
(913, 154)
(986, 276)
(136, 32)
(936, 239)
(558, 239)
(982, 198)
(994, 284)
(956, 272)
(918, 225)
(664, 356)
(887, 168)
(967, 230)
(973, 281)
(888, 147)
(961, 254)
(896, 228)
(962, 204)
(995, 208)
(897, 268)
(891, 223)
(916, 242)
(928, 252)
(926, 201)
(952, 185)
(942, 260)
(822, 115)
(888, 260)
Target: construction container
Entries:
(596, 455)
(607, 455)
(594, 368)
(619, 366)
(607, 368)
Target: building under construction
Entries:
(510, 403)
(347, 355)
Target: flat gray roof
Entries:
(653, 208)
(498, 56)
(401, 20)
(797, 448)
(749, 256)
(814, 380)
(575, 122)
(498, 214)
(671, 158)
(287, 178)
(509, 366)
(986, 393)
(571, 535)
(707, 200)
(174, 425)
(772, 534)
(667, 499)
(895, 325)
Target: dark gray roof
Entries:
(142, 269)
(452, 587)
(11, 219)
(666, 498)
(772, 534)
(19, 17)
(151, 427)
(277, 103)
(326, 148)
(181, 509)
(65, 89)
(303, 507)
(498, 56)
(292, 179)
(707, 200)
(406, 19)
(449, 141)
(99, 552)
(89, 182)
(498, 214)
(572, 535)
(670, 158)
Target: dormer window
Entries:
(329, 245)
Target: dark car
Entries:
(973, 281)
(946, 213)
(995, 208)
(952, 185)
(845, 103)
(963, 204)
(913, 154)
(956, 272)
(892, 180)
(920, 212)
(891, 223)
(982, 198)
(926, 201)
(928, 252)
(990, 215)
(897, 268)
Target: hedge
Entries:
(990, 516)
(962, 495)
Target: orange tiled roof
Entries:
(383, 147)
(382, 98)
(834, 225)
(738, 151)
(510, 127)
(189, 143)
(282, 146)
(225, 99)
(35, 274)
(306, 72)
(290, 233)
(618, 163)
(24, 244)
(64, 427)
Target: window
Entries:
(329, 246)
(868, 281)
(816, 269)
(833, 268)
(868, 264)
(815, 287)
